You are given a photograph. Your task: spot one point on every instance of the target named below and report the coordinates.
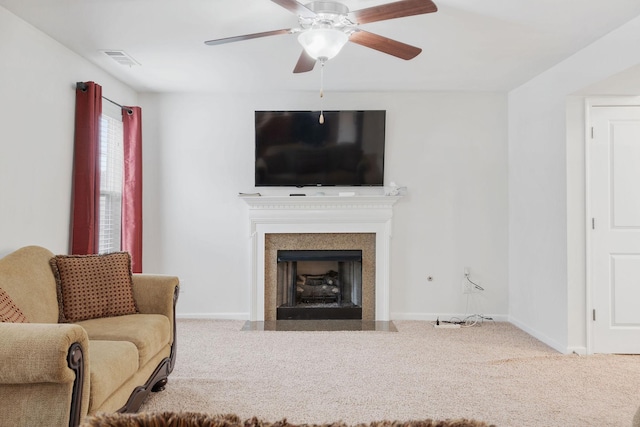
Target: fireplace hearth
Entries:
(319, 284)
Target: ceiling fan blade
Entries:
(247, 37)
(295, 7)
(305, 63)
(385, 45)
(394, 10)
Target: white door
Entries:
(614, 207)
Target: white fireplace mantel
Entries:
(320, 214)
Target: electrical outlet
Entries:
(467, 287)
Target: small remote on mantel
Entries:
(297, 194)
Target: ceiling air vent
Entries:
(121, 57)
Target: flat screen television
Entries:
(294, 149)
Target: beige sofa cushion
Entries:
(148, 332)
(93, 286)
(111, 364)
(26, 273)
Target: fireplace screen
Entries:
(319, 284)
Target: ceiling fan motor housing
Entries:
(328, 7)
(329, 14)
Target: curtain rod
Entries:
(83, 87)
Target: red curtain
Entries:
(132, 191)
(85, 211)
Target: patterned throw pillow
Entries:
(9, 311)
(93, 286)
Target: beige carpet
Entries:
(494, 373)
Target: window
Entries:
(111, 180)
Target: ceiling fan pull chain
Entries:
(321, 119)
(322, 79)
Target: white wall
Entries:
(546, 190)
(37, 81)
(448, 148)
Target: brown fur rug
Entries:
(191, 419)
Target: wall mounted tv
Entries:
(294, 149)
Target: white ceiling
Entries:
(477, 45)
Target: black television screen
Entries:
(294, 149)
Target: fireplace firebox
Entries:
(319, 284)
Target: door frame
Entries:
(590, 103)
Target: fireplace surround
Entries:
(318, 216)
(277, 244)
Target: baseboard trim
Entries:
(580, 351)
(214, 316)
(431, 317)
(541, 337)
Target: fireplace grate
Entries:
(319, 284)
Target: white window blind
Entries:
(111, 181)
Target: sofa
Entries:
(57, 366)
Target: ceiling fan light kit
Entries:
(322, 43)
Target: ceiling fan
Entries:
(326, 26)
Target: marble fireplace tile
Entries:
(320, 241)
